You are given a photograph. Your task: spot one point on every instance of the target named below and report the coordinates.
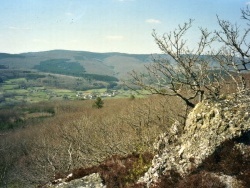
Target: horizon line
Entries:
(77, 51)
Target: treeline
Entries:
(5, 55)
(3, 67)
(65, 67)
(37, 79)
(6, 74)
(16, 116)
(104, 78)
(61, 66)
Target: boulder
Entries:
(91, 181)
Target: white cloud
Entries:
(114, 37)
(153, 21)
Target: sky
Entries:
(105, 25)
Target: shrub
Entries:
(98, 103)
(201, 180)
(78, 136)
(131, 97)
(118, 171)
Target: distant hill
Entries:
(111, 64)
(75, 63)
(5, 55)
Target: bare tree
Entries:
(181, 71)
(199, 72)
(234, 57)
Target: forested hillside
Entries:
(77, 62)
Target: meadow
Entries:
(19, 87)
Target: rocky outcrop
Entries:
(91, 181)
(208, 125)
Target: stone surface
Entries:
(90, 181)
(230, 181)
(207, 126)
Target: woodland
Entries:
(46, 139)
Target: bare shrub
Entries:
(117, 171)
(201, 180)
(80, 136)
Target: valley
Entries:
(65, 75)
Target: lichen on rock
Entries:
(207, 126)
(91, 181)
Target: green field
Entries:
(15, 91)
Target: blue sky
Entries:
(104, 25)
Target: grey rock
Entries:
(91, 181)
(207, 126)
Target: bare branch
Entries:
(179, 71)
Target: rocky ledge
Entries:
(91, 181)
(209, 125)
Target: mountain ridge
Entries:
(109, 63)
